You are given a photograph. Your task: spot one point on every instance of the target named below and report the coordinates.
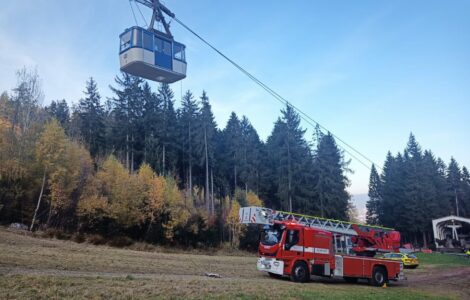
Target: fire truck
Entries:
(299, 246)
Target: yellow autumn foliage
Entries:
(153, 191)
(178, 210)
(92, 205)
(122, 192)
(77, 164)
(64, 162)
(253, 200)
(51, 147)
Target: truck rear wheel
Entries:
(299, 272)
(379, 276)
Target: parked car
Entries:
(409, 260)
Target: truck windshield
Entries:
(271, 235)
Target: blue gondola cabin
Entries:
(152, 55)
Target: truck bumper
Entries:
(401, 275)
(270, 265)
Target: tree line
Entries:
(414, 188)
(135, 164)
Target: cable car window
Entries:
(137, 38)
(158, 44)
(167, 48)
(178, 51)
(148, 41)
(126, 41)
(162, 46)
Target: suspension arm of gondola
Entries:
(158, 10)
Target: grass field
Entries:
(53, 269)
(443, 259)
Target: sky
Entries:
(371, 72)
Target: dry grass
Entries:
(43, 268)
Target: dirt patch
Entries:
(441, 279)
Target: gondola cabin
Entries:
(152, 55)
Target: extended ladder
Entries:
(266, 216)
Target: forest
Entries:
(414, 188)
(136, 165)
(145, 166)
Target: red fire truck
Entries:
(299, 246)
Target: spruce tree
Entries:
(188, 115)
(411, 217)
(392, 190)
(91, 119)
(331, 182)
(168, 130)
(375, 198)
(290, 163)
(127, 112)
(231, 149)
(152, 122)
(465, 202)
(205, 144)
(454, 184)
(60, 111)
(251, 156)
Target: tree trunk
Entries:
(163, 169)
(190, 164)
(212, 193)
(206, 188)
(235, 178)
(127, 152)
(39, 200)
(50, 214)
(425, 242)
(132, 155)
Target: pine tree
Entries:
(416, 188)
(91, 119)
(454, 184)
(465, 202)
(60, 110)
(411, 218)
(152, 120)
(291, 163)
(168, 130)
(127, 112)
(252, 148)
(331, 182)
(375, 199)
(231, 149)
(205, 135)
(188, 115)
(392, 190)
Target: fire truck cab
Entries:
(295, 250)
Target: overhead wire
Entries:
(133, 13)
(284, 101)
(142, 15)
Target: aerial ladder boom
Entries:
(367, 239)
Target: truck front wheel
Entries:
(379, 276)
(299, 272)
